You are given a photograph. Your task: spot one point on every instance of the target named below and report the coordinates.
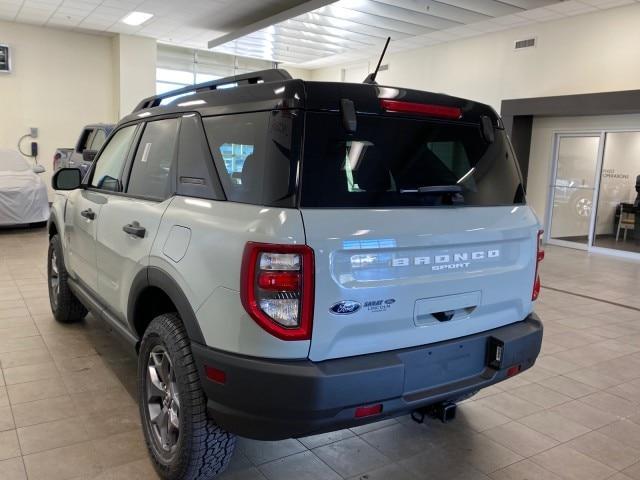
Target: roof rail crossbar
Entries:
(271, 75)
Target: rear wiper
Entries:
(436, 189)
(440, 189)
(451, 194)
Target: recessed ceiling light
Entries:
(136, 18)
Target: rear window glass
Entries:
(256, 155)
(405, 162)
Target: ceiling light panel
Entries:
(136, 18)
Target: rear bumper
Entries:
(275, 399)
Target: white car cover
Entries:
(23, 194)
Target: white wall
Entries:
(60, 81)
(63, 80)
(588, 53)
(541, 157)
(298, 72)
(135, 71)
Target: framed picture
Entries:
(5, 59)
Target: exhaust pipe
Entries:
(444, 411)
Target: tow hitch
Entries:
(444, 411)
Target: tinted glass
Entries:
(256, 155)
(107, 174)
(154, 159)
(98, 140)
(85, 140)
(405, 162)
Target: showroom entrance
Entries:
(593, 201)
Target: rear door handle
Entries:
(134, 229)
(88, 213)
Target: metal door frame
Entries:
(558, 136)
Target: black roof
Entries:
(275, 89)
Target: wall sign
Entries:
(5, 59)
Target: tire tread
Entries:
(209, 448)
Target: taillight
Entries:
(539, 257)
(438, 111)
(276, 287)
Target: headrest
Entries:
(372, 174)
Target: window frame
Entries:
(213, 176)
(92, 170)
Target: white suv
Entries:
(291, 257)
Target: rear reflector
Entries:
(437, 111)
(368, 411)
(215, 375)
(539, 257)
(513, 370)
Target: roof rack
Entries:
(271, 75)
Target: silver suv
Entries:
(289, 258)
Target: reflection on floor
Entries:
(608, 241)
(68, 409)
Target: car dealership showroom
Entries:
(320, 239)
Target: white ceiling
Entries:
(181, 22)
(350, 30)
(334, 33)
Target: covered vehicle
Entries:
(23, 194)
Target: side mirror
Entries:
(89, 155)
(38, 169)
(67, 179)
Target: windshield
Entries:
(10, 160)
(405, 162)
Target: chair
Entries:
(626, 222)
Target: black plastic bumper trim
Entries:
(275, 399)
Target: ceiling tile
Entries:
(541, 15)
(571, 7)
(604, 4)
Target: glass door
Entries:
(573, 190)
(617, 223)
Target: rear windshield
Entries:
(393, 162)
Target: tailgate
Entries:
(403, 277)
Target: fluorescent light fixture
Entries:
(136, 18)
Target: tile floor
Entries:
(67, 407)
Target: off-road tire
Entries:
(203, 449)
(65, 306)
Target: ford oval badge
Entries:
(346, 307)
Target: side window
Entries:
(98, 139)
(154, 160)
(107, 174)
(85, 140)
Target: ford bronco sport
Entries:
(291, 257)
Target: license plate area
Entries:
(444, 363)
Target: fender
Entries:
(156, 277)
